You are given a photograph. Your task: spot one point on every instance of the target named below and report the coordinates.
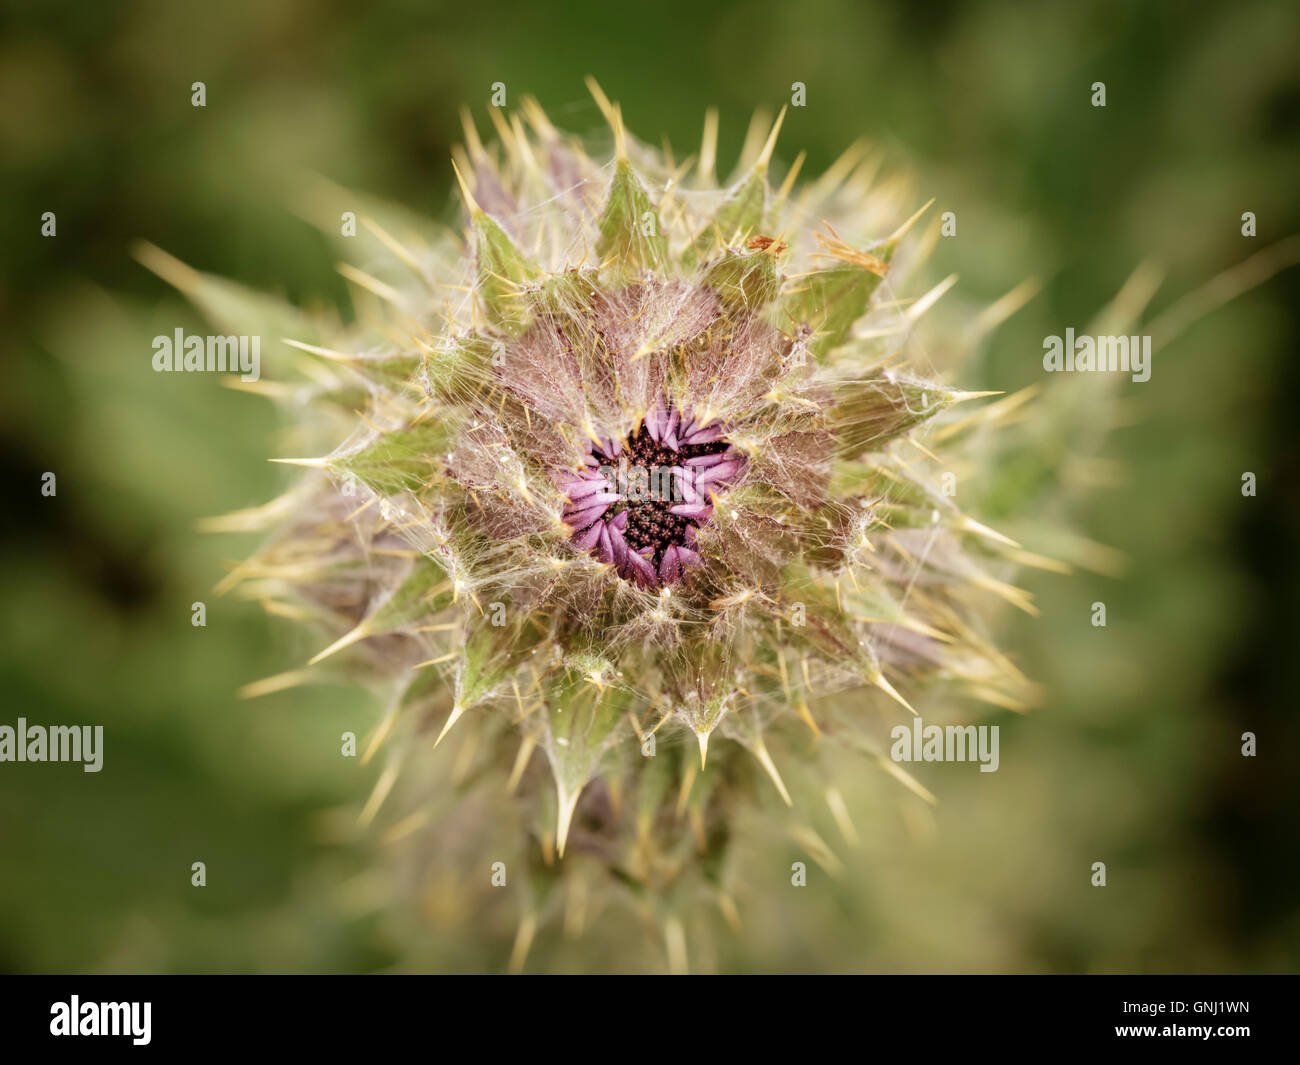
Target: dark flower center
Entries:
(650, 521)
(637, 503)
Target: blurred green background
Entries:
(1133, 760)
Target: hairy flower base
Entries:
(645, 524)
(615, 347)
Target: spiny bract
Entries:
(628, 485)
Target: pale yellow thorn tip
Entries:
(917, 309)
(452, 718)
(564, 817)
(602, 101)
(703, 737)
(382, 787)
(472, 141)
(709, 144)
(317, 464)
(471, 204)
(884, 685)
(962, 397)
(971, 525)
(901, 230)
(791, 175)
(620, 134)
(269, 389)
(279, 682)
(359, 633)
(168, 267)
(840, 811)
(765, 760)
(998, 312)
(765, 156)
(523, 943)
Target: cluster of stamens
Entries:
(637, 503)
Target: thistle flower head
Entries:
(634, 466)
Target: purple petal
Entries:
(705, 461)
(686, 479)
(604, 549)
(670, 429)
(605, 498)
(728, 467)
(582, 518)
(641, 570)
(698, 511)
(618, 547)
(652, 423)
(584, 488)
(706, 435)
(619, 521)
(670, 566)
(689, 558)
(723, 471)
(590, 538)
